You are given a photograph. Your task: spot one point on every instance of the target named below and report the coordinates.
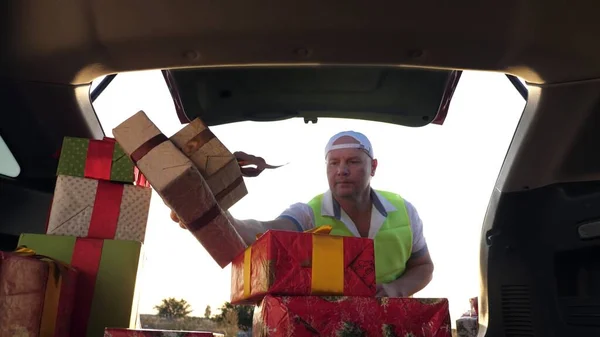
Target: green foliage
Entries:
(171, 308)
(244, 315)
(207, 312)
(189, 323)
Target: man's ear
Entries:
(373, 167)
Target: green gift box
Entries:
(107, 291)
(96, 159)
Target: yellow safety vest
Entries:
(393, 242)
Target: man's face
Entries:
(349, 171)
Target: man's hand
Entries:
(175, 218)
(417, 275)
(385, 290)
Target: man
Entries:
(402, 261)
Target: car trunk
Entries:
(404, 96)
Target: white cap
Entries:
(363, 142)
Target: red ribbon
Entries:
(105, 215)
(140, 179)
(86, 258)
(99, 159)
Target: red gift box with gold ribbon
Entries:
(37, 295)
(309, 316)
(297, 264)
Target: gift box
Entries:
(180, 185)
(110, 332)
(96, 159)
(293, 263)
(36, 295)
(99, 209)
(107, 291)
(351, 316)
(467, 326)
(214, 161)
(474, 302)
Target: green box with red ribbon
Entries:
(107, 291)
(97, 159)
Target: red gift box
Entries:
(111, 332)
(37, 295)
(294, 263)
(351, 316)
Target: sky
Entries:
(447, 172)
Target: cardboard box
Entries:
(181, 186)
(99, 209)
(214, 161)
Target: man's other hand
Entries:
(175, 218)
(386, 290)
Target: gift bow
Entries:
(246, 161)
(59, 267)
(324, 230)
(327, 267)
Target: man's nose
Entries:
(343, 170)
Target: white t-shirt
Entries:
(303, 218)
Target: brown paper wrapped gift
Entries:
(216, 163)
(37, 295)
(180, 185)
(99, 209)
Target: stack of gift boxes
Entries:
(84, 269)
(80, 278)
(315, 284)
(303, 284)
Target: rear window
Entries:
(8, 164)
(447, 172)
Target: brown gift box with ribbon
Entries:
(99, 209)
(37, 295)
(181, 186)
(214, 161)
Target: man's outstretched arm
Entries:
(418, 274)
(249, 229)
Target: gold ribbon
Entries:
(247, 263)
(327, 263)
(53, 286)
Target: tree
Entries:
(207, 312)
(230, 324)
(172, 308)
(244, 315)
